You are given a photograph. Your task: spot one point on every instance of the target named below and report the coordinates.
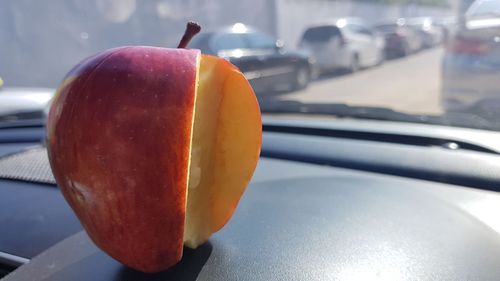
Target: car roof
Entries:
(338, 22)
(204, 40)
(235, 28)
(419, 20)
(396, 22)
(387, 24)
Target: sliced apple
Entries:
(153, 148)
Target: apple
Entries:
(153, 148)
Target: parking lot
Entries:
(410, 84)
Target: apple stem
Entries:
(192, 29)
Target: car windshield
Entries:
(302, 58)
(231, 41)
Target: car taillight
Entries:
(399, 34)
(468, 46)
(396, 36)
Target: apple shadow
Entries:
(187, 269)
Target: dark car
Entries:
(264, 61)
(400, 39)
(471, 62)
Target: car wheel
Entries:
(354, 65)
(302, 78)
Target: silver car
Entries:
(346, 43)
(24, 103)
(471, 64)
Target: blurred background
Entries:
(42, 40)
(434, 58)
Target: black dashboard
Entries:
(330, 200)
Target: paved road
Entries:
(408, 84)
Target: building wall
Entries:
(41, 40)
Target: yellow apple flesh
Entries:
(225, 148)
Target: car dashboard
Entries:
(330, 200)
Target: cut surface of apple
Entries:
(225, 148)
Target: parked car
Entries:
(430, 32)
(266, 63)
(400, 39)
(471, 64)
(346, 43)
(23, 103)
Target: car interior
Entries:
(348, 185)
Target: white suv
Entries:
(346, 43)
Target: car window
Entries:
(229, 41)
(355, 28)
(320, 33)
(259, 41)
(387, 28)
(484, 8)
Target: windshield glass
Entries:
(339, 59)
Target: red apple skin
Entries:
(118, 136)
